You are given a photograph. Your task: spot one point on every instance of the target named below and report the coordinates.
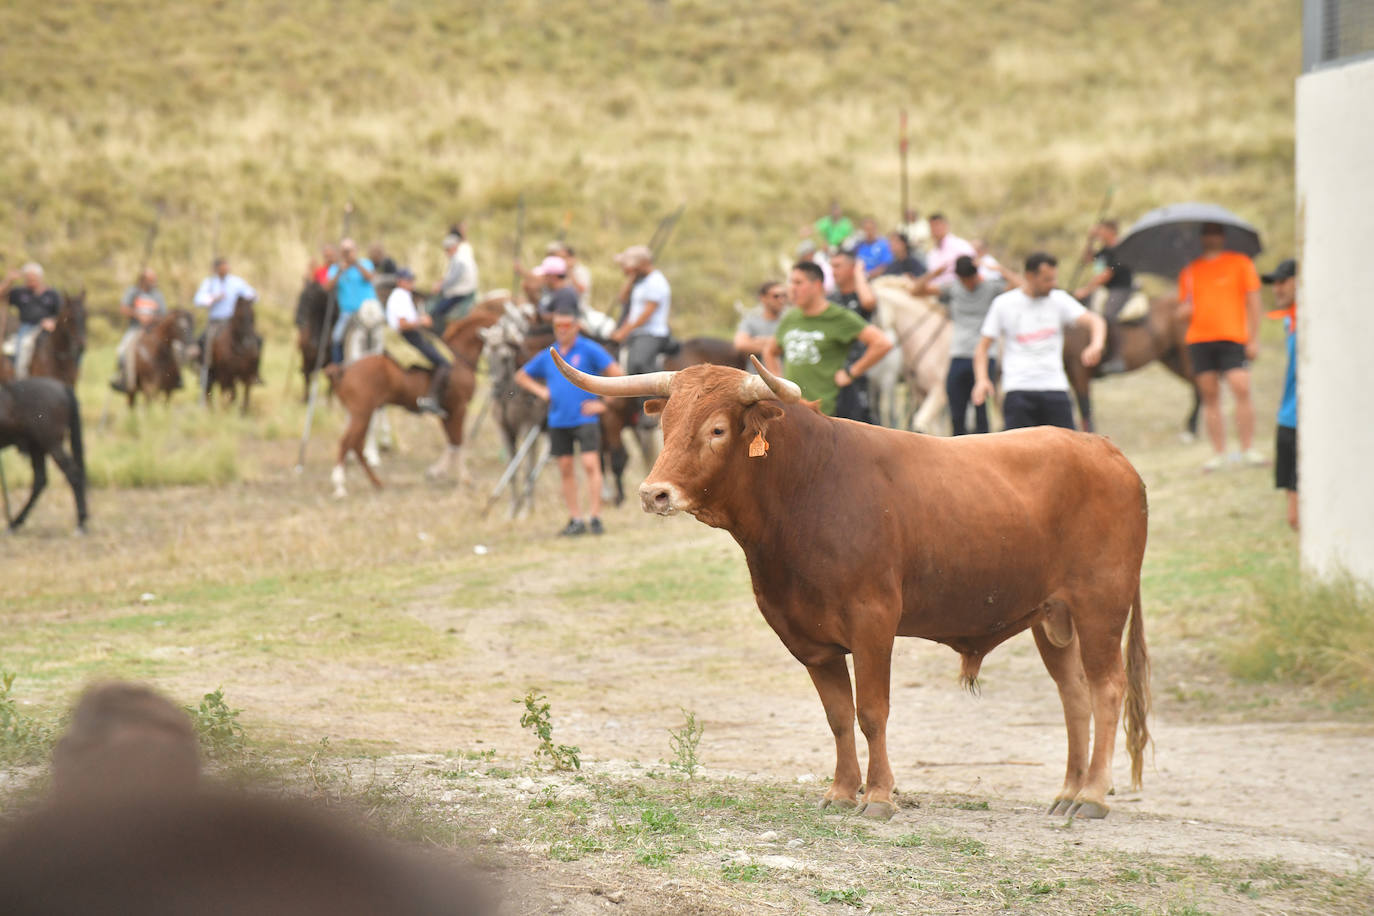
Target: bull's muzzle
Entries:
(660, 498)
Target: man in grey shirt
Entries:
(143, 305)
(969, 297)
(760, 324)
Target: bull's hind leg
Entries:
(832, 683)
(1059, 650)
(1100, 647)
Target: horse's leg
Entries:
(40, 480)
(247, 390)
(930, 408)
(370, 448)
(73, 475)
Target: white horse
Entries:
(922, 331)
(364, 338)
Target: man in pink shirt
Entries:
(945, 249)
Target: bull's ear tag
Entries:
(759, 447)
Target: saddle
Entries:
(404, 354)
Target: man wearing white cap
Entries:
(417, 329)
(645, 328)
(559, 295)
(457, 291)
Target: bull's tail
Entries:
(1137, 691)
(74, 429)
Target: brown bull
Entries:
(855, 534)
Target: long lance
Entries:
(209, 340)
(506, 476)
(1101, 215)
(517, 281)
(902, 149)
(321, 348)
(5, 489)
(657, 242)
(524, 499)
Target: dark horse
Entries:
(1158, 336)
(159, 354)
(57, 353)
(314, 320)
(235, 354)
(36, 414)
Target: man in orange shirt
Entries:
(1219, 294)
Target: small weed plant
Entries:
(221, 735)
(684, 742)
(849, 896)
(23, 739)
(538, 719)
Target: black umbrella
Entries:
(1166, 240)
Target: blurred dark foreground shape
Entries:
(130, 831)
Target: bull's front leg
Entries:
(832, 683)
(872, 676)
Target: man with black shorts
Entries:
(573, 414)
(1030, 322)
(1285, 283)
(1219, 295)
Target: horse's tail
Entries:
(74, 428)
(1137, 691)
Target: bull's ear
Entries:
(654, 407)
(758, 415)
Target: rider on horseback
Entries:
(142, 305)
(38, 305)
(351, 279)
(220, 293)
(403, 316)
(1112, 286)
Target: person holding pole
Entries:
(218, 294)
(142, 304)
(351, 281)
(573, 413)
(645, 329)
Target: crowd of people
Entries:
(816, 328)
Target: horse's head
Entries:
(243, 314)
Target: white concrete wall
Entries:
(1335, 185)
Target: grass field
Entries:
(378, 661)
(253, 126)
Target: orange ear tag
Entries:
(759, 447)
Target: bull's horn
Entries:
(779, 388)
(616, 386)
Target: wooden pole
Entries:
(1101, 215)
(326, 335)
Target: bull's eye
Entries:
(718, 431)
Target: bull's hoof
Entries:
(839, 804)
(1059, 806)
(878, 810)
(1088, 809)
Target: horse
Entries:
(315, 312)
(156, 358)
(922, 331)
(511, 341)
(1159, 336)
(375, 380)
(235, 354)
(57, 353)
(36, 414)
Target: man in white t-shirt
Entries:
(414, 326)
(645, 329)
(1029, 323)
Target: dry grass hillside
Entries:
(263, 117)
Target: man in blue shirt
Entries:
(873, 250)
(351, 281)
(1284, 279)
(573, 414)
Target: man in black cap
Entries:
(415, 327)
(1284, 279)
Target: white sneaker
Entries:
(1215, 463)
(1254, 458)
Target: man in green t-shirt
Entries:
(814, 339)
(834, 227)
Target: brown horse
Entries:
(36, 416)
(315, 311)
(57, 353)
(235, 354)
(1159, 336)
(156, 359)
(372, 381)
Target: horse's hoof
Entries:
(878, 810)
